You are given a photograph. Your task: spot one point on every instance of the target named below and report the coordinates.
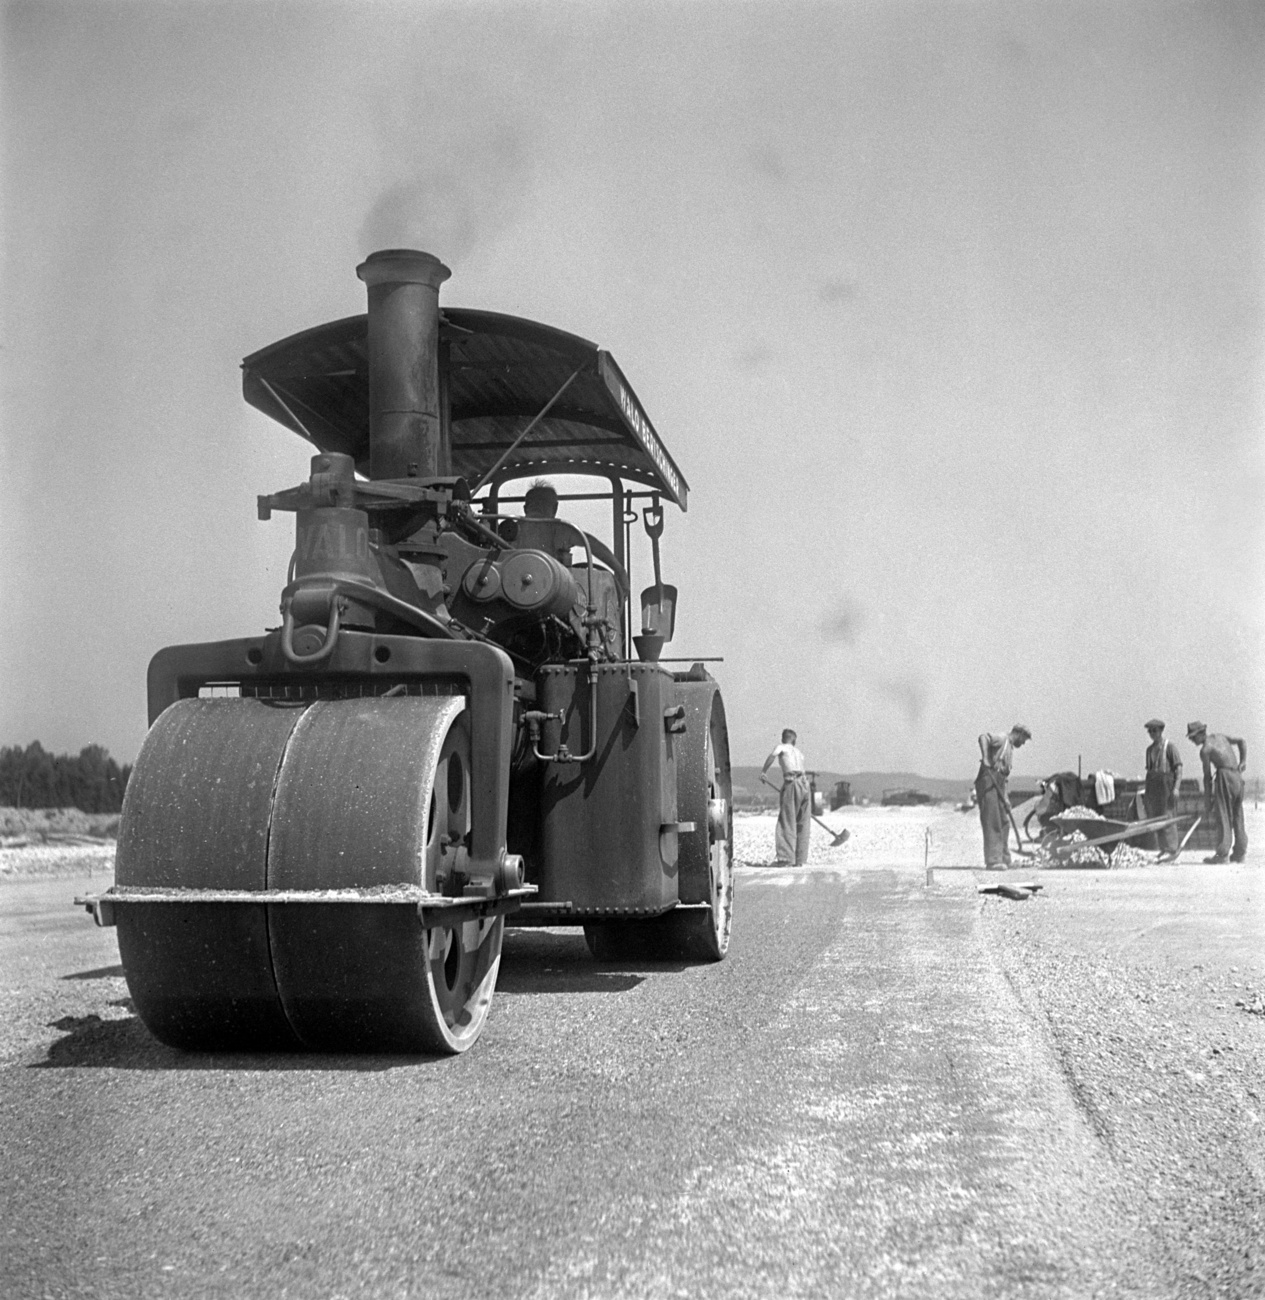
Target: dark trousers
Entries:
(994, 819)
(1161, 801)
(1227, 802)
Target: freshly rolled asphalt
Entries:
(894, 1086)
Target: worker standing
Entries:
(1223, 789)
(795, 808)
(1163, 782)
(996, 759)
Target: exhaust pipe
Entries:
(408, 434)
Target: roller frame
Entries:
(432, 909)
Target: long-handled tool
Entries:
(1019, 849)
(1005, 803)
(658, 603)
(840, 837)
(1186, 838)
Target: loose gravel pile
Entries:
(55, 858)
(1127, 855)
(1116, 857)
(937, 835)
(1089, 856)
(55, 841)
(36, 824)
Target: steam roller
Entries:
(453, 727)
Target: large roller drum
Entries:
(369, 795)
(196, 816)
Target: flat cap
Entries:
(1022, 730)
(1193, 729)
(1154, 724)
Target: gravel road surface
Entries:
(890, 1088)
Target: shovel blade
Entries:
(658, 610)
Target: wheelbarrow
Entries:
(1100, 831)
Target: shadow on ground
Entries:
(101, 973)
(533, 963)
(544, 962)
(125, 1044)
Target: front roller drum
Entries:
(196, 816)
(374, 795)
(356, 794)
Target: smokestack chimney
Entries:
(406, 435)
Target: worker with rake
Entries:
(996, 759)
(795, 806)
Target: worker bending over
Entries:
(1223, 789)
(795, 809)
(996, 759)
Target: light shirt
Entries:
(789, 758)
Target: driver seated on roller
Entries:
(540, 529)
(795, 806)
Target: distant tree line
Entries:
(33, 778)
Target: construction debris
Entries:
(1017, 892)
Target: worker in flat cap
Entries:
(1223, 788)
(996, 759)
(1163, 781)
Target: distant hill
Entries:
(870, 785)
(865, 785)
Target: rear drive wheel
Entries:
(702, 933)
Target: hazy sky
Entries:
(951, 314)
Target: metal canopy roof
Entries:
(501, 371)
